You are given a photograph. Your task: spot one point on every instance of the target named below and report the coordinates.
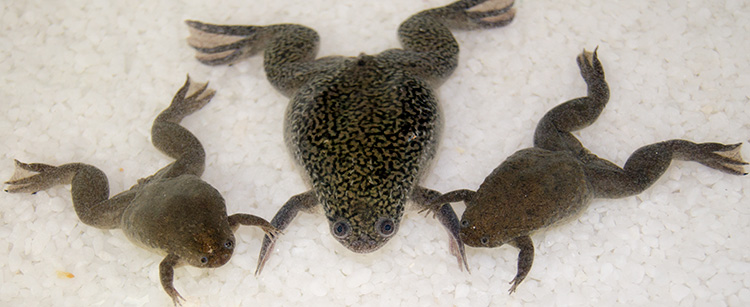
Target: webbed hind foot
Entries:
(35, 177)
(591, 68)
(726, 158)
(649, 162)
(217, 44)
(190, 98)
(477, 14)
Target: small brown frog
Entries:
(556, 179)
(172, 212)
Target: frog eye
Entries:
(341, 229)
(229, 244)
(484, 240)
(385, 227)
(464, 223)
(204, 260)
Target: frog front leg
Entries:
(300, 202)
(166, 276)
(525, 259)
(235, 220)
(424, 198)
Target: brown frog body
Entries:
(363, 129)
(555, 180)
(173, 212)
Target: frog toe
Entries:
(726, 158)
(191, 97)
(591, 67)
(219, 44)
(480, 14)
(31, 178)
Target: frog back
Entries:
(184, 216)
(363, 137)
(533, 189)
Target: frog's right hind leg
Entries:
(554, 129)
(285, 47)
(90, 190)
(174, 140)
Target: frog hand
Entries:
(477, 14)
(238, 219)
(34, 177)
(217, 44)
(434, 204)
(432, 200)
(300, 202)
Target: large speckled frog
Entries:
(362, 128)
(557, 178)
(172, 212)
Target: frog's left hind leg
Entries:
(174, 140)
(649, 162)
(554, 129)
(426, 36)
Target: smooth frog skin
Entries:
(555, 180)
(365, 128)
(173, 212)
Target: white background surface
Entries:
(83, 80)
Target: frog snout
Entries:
(220, 259)
(364, 244)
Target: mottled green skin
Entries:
(362, 128)
(364, 135)
(556, 180)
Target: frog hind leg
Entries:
(89, 190)
(174, 140)
(286, 48)
(224, 44)
(430, 50)
(300, 202)
(476, 14)
(554, 129)
(649, 162)
(433, 201)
